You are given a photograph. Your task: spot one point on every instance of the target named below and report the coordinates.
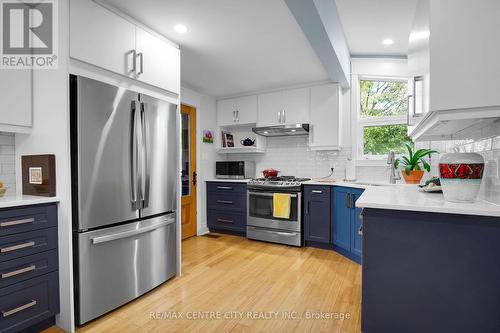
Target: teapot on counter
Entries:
(247, 142)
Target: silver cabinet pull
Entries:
(17, 247)
(237, 116)
(234, 116)
(225, 221)
(225, 202)
(347, 200)
(317, 191)
(18, 309)
(141, 63)
(284, 116)
(134, 55)
(19, 271)
(226, 188)
(360, 230)
(17, 222)
(279, 116)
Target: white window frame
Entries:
(361, 123)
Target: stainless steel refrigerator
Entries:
(124, 189)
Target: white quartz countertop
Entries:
(228, 180)
(25, 200)
(409, 198)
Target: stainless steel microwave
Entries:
(234, 169)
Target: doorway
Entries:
(189, 173)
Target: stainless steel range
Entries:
(261, 221)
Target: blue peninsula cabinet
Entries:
(430, 272)
(346, 222)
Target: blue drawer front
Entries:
(226, 201)
(27, 303)
(28, 243)
(24, 268)
(317, 192)
(226, 220)
(16, 220)
(227, 187)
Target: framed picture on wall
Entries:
(39, 175)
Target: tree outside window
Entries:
(383, 117)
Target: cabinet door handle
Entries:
(141, 63)
(352, 201)
(18, 309)
(17, 222)
(17, 247)
(225, 202)
(308, 205)
(226, 188)
(134, 56)
(19, 271)
(225, 221)
(284, 116)
(279, 116)
(360, 230)
(347, 200)
(237, 116)
(317, 191)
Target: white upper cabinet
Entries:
(16, 91)
(270, 108)
(325, 118)
(284, 107)
(104, 39)
(296, 106)
(237, 111)
(101, 38)
(158, 62)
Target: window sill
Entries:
(378, 163)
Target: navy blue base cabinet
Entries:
(317, 215)
(29, 278)
(346, 222)
(227, 207)
(430, 272)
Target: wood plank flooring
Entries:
(242, 281)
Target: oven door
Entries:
(260, 211)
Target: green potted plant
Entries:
(412, 164)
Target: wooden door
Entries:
(189, 175)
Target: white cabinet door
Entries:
(16, 92)
(270, 107)
(296, 106)
(158, 62)
(324, 131)
(226, 112)
(246, 108)
(101, 38)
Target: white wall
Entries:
(50, 135)
(206, 154)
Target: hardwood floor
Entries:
(242, 281)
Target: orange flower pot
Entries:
(414, 178)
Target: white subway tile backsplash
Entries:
(7, 162)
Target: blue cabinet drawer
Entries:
(16, 220)
(29, 302)
(227, 187)
(226, 201)
(24, 268)
(227, 221)
(27, 243)
(317, 192)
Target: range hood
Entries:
(283, 130)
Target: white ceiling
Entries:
(367, 22)
(232, 46)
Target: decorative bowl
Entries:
(461, 175)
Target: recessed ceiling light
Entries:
(294, 130)
(266, 132)
(180, 28)
(387, 41)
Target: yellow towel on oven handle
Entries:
(281, 205)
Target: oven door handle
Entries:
(265, 194)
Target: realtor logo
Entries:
(29, 34)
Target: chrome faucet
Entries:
(390, 160)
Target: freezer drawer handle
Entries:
(17, 247)
(225, 221)
(19, 271)
(17, 222)
(18, 309)
(225, 202)
(125, 234)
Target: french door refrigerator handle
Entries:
(134, 152)
(130, 233)
(146, 151)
